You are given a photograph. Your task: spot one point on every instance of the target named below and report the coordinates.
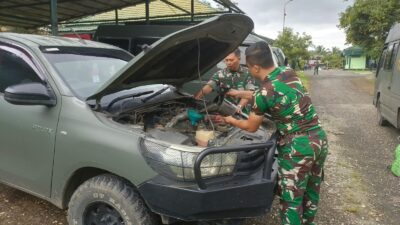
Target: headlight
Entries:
(177, 161)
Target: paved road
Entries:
(359, 189)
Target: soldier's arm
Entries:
(244, 94)
(251, 124)
(209, 87)
(203, 91)
(243, 102)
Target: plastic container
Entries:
(194, 116)
(203, 136)
(396, 164)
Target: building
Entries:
(355, 58)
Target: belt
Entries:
(302, 133)
(282, 139)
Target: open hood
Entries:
(181, 56)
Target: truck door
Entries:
(383, 81)
(395, 82)
(27, 131)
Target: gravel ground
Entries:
(358, 189)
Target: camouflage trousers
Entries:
(301, 160)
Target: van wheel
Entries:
(107, 199)
(381, 120)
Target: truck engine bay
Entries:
(187, 122)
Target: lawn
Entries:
(305, 79)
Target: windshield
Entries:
(85, 70)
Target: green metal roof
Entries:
(354, 51)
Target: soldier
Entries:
(316, 68)
(302, 143)
(234, 76)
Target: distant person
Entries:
(305, 67)
(234, 76)
(316, 68)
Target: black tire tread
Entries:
(116, 185)
(382, 121)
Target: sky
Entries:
(318, 18)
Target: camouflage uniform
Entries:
(302, 146)
(226, 79)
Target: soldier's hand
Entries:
(227, 119)
(239, 108)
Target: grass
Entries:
(362, 72)
(304, 79)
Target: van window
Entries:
(390, 56)
(382, 59)
(394, 55)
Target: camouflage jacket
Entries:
(226, 79)
(283, 96)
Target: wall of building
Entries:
(355, 63)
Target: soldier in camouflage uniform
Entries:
(234, 76)
(302, 146)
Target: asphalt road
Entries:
(358, 189)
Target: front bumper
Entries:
(237, 196)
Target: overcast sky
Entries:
(318, 18)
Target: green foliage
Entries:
(294, 45)
(396, 164)
(368, 22)
(304, 79)
(334, 58)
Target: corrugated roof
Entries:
(354, 51)
(157, 9)
(36, 13)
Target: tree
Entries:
(367, 23)
(321, 50)
(294, 45)
(334, 58)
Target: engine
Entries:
(187, 122)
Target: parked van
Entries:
(387, 85)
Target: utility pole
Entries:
(284, 13)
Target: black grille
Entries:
(250, 161)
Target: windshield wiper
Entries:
(127, 96)
(154, 95)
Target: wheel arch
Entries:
(378, 95)
(78, 178)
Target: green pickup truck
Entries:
(108, 136)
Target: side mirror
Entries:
(29, 94)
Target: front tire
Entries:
(108, 199)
